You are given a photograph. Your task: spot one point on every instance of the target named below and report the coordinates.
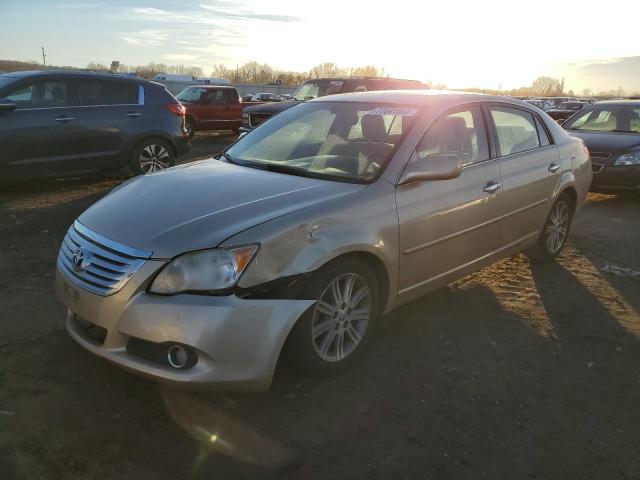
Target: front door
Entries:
(449, 227)
(39, 135)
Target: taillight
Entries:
(176, 109)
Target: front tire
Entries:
(555, 231)
(151, 155)
(190, 127)
(336, 330)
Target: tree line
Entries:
(261, 73)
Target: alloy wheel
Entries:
(341, 317)
(557, 227)
(153, 158)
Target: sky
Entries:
(479, 43)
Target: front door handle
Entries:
(65, 119)
(491, 187)
(554, 167)
(134, 114)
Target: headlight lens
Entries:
(628, 159)
(205, 271)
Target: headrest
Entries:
(373, 128)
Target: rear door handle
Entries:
(65, 119)
(134, 114)
(554, 167)
(492, 187)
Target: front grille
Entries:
(256, 119)
(96, 263)
(599, 155)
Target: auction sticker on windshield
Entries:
(405, 112)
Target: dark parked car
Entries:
(62, 122)
(565, 109)
(319, 87)
(611, 131)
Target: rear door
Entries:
(450, 227)
(530, 171)
(110, 114)
(39, 135)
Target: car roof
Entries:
(628, 103)
(390, 79)
(415, 97)
(72, 73)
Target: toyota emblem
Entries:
(80, 260)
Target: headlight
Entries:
(628, 159)
(205, 271)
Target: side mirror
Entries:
(560, 121)
(6, 105)
(439, 166)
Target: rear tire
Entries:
(555, 231)
(151, 155)
(335, 331)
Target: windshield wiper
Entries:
(227, 158)
(624, 131)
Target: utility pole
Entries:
(44, 59)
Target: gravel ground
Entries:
(518, 371)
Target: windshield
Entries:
(317, 88)
(191, 94)
(608, 118)
(343, 141)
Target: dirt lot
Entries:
(520, 371)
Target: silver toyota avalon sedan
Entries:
(304, 232)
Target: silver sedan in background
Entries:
(305, 231)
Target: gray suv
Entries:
(309, 228)
(61, 122)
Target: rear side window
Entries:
(232, 96)
(97, 92)
(40, 95)
(516, 130)
(215, 97)
(542, 134)
(462, 132)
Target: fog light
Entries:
(177, 356)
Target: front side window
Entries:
(461, 132)
(191, 94)
(516, 130)
(99, 92)
(40, 95)
(607, 118)
(340, 141)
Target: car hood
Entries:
(199, 205)
(608, 141)
(271, 107)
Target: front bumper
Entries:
(614, 178)
(237, 341)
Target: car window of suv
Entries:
(40, 95)
(215, 97)
(516, 130)
(98, 92)
(461, 132)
